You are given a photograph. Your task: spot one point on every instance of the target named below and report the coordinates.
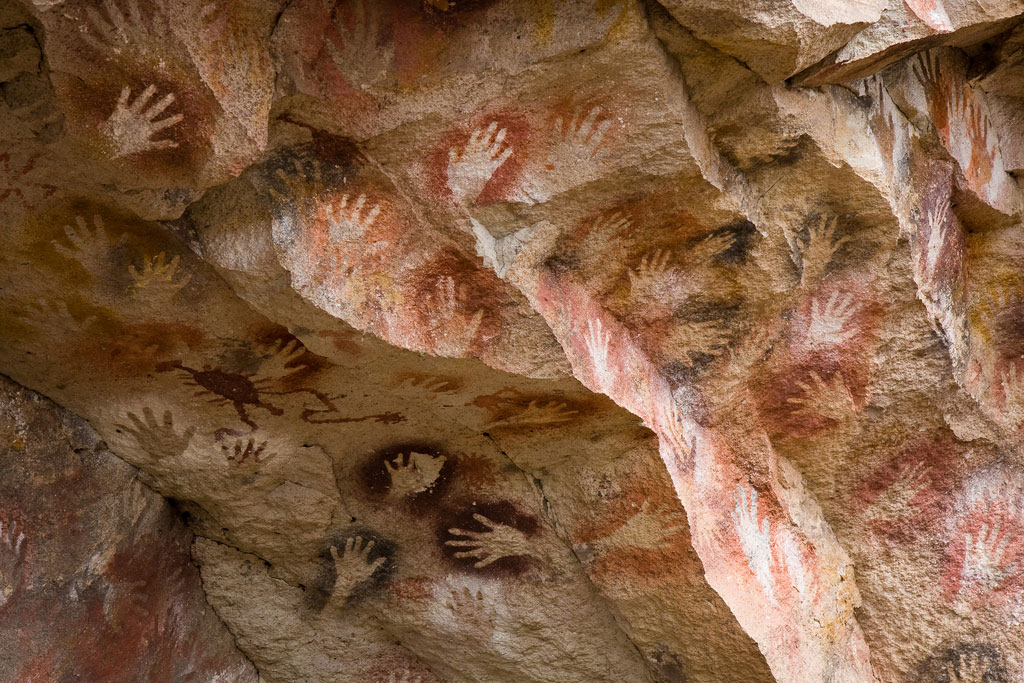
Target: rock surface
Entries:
(490, 340)
(96, 581)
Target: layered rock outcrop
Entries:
(538, 341)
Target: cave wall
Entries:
(489, 340)
(96, 577)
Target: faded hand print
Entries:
(874, 87)
(283, 360)
(473, 611)
(1013, 396)
(89, 245)
(752, 349)
(970, 669)
(986, 562)
(364, 58)
(12, 555)
(158, 439)
(54, 316)
(606, 235)
(646, 528)
(938, 232)
(611, 224)
(131, 126)
(648, 280)
(689, 340)
(819, 248)
(158, 281)
(122, 32)
(132, 599)
(538, 414)
(246, 452)
(683, 446)
(487, 547)
(711, 247)
(428, 384)
(830, 321)
(573, 157)
(984, 143)
(213, 15)
(413, 473)
(793, 555)
(298, 182)
(928, 71)
(755, 538)
(350, 221)
(353, 566)
(597, 339)
(470, 168)
(895, 502)
(828, 398)
(453, 331)
(994, 301)
(464, 600)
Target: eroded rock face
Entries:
(547, 341)
(96, 581)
